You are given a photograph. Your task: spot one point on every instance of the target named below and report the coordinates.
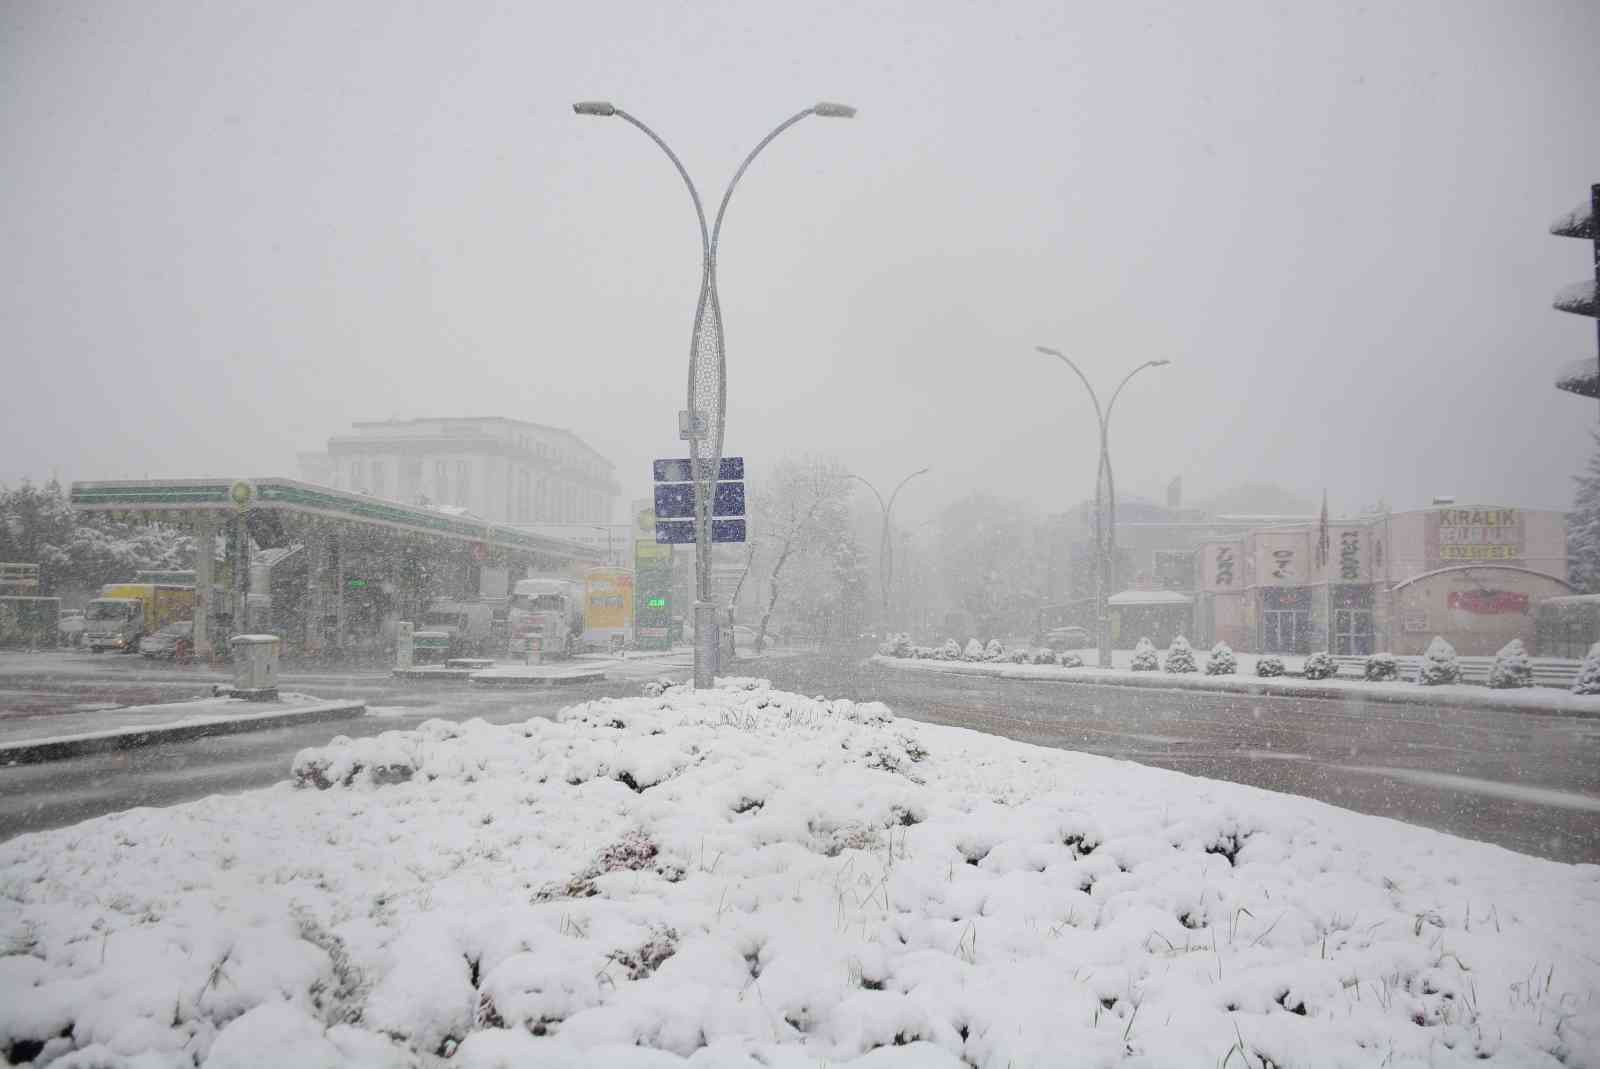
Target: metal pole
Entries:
(888, 542)
(707, 386)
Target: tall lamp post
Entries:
(703, 420)
(1105, 531)
(886, 545)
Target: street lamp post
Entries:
(886, 544)
(706, 413)
(1105, 532)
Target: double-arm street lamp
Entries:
(705, 416)
(1105, 530)
(886, 545)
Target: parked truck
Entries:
(545, 618)
(469, 624)
(124, 613)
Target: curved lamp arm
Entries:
(902, 486)
(869, 486)
(607, 110)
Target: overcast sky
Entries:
(230, 230)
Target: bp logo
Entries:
(240, 494)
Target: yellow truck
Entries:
(126, 612)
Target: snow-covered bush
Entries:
(974, 651)
(1511, 667)
(1321, 665)
(1145, 658)
(1439, 664)
(1588, 681)
(1180, 657)
(1044, 656)
(1070, 659)
(1020, 655)
(1381, 667)
(994, 651)
(900, 645)
(950, 651)
(1222, 662)
(1269, 666)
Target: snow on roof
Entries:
(1149, 597)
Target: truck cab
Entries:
(545, 618)
(469, 625)
(114, 624)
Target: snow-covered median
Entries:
(747, 877)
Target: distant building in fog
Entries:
(504, 470)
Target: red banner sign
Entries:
(1487, 602)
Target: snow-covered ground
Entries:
(747, 877)
(1545, 699)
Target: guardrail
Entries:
(1547, 671)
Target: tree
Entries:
(992, 560)
(1222, 662)
(1381, 667)
(1588, 681)
(82, 551)
(1144, 656)
(1321, 665)
(1180, 657)
(790, 514)
(1439, 664)
(1583, 526)
(1511, 667)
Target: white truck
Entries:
(545, 618)
(470, 624)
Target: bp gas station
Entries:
(331, 571)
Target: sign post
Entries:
(677, 498)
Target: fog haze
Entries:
(231, 230)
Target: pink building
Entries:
(1473, 574)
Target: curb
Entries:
(483, 680)
(69, 746)
(1213, 684)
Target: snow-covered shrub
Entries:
(950, 651)
(1180, 658)
(897, 645)
(994, 651)
(1044, 656)
(1511, 667)
(1222, 662)
(1070, 659)
(1145, 658)
(1381, 667)
(1020, 655)
(1269, 666)
(1588, 681)
(1321, 665)
(1439, 664)
(973, 652)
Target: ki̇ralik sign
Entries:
(1474, 536)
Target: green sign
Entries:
(653, 608)
(656, 603)
(355, 584)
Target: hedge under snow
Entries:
(746, 877)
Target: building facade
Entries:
(502, 470)
(1472, 574)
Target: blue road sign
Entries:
(681, 470)
(675, 501)
(681, 532)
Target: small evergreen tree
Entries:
(950, 651)
(1020, 655)
(1044, 656)
(1511, 667)
(1145, 658)
(994, 651)
(1180, 657)
(1588, 681)
(1222, 662)
(1269, 667)
(973, 652)
(1381, 667)
(1439, 664)
(1321, 665)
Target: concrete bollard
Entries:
(405, 650)
(255, 667)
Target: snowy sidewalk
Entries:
(59, 736)
(746, 877)
(1529, 699)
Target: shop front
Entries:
(1476, 608)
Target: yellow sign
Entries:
(608, 594)
(1478, 552)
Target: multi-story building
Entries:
(502, 470)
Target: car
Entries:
(1068, 638)
(174, 642)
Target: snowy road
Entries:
(1530, 783)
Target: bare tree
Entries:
(790, 511)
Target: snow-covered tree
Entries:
(1222, 662)
(974, 651)
(1588, 681)
(1145, 658)
(1511, 667)
(1046, 655)
(1269, 666)
(1439, 664)
(795, 520)
(1180, 657)
(993, 651)
(950, 651)
(1583, 526)
(992, 560)
(1020, 655)
(1070, 659)
(1321, 665)
(1381, 667)
(82, 551)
